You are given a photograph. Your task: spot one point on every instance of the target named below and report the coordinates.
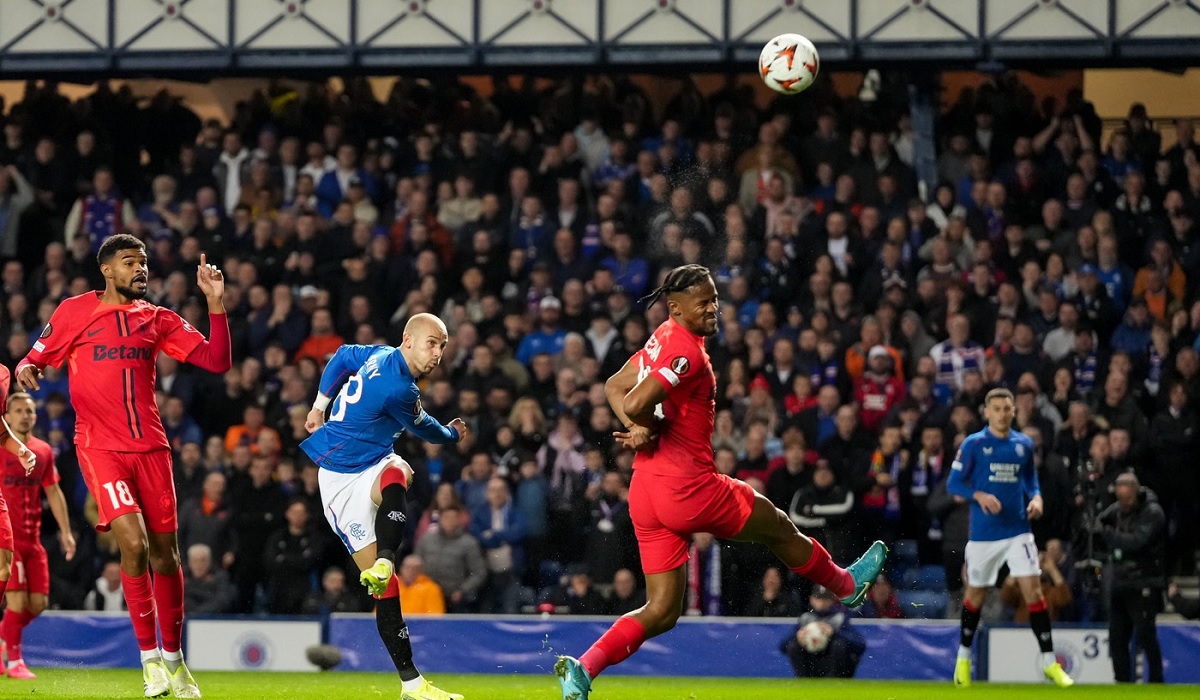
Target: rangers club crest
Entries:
(1020, 450)
(680, 365)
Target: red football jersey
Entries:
(110, 352)
(24, 493)
(5, 382)
(677, 359)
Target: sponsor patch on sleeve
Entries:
(680, 365)
(39, 346)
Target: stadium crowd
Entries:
(860, 327)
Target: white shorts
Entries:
(346, 499)
(984, 559)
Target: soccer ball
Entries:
(789, 64)
(813, 638)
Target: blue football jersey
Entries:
(379, 399)
(1003, 467)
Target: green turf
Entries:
(365, 686)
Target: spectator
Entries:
(189, 473)
(99, 214)
(576, 594)
(257, 503)
(956, 355)
(292, 552)
(881, 601)
(333, 597)
(454, 560)
(207, 520)
(208, 590)
(610, 533)
(1132, 530)
(773, 600)
(1189, 608)
(419, 594)
(878, 391)
(548, 338)
(500, 529)
(846, 645)
(15, 197)
(626, 595)
(106, 595)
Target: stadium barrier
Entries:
(896, 650)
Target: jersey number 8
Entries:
(350, 393)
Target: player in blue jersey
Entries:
(362, 481)
(994, 469)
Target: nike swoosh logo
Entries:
(92, 333)
(148, 612)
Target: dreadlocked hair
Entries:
(680, 279)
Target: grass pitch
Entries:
(88, 683)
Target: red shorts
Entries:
(6, 533)
(30, 570)
(131, 482)
(667, 511)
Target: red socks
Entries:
(139, 598)
(13, 627)
(1037, 607)
(168, 594)
(821, 569)
(614, 646)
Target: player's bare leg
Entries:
(664, 605)
(389, 618)
(168, 599)
(130, 532)
(805, 556)
(21, 608)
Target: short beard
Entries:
(130, 293)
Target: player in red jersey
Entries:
(665, 396)
(30, 583)
(109, 341)
(27, 461)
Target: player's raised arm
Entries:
(181, 341)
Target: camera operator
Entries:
(1132, 529)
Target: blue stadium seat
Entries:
(923, 605)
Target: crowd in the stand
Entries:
(860, 324)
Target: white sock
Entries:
(14, 662)
(414, 684)
(1048, 658)
(149, 655)
(964, 652)
(172, 655)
